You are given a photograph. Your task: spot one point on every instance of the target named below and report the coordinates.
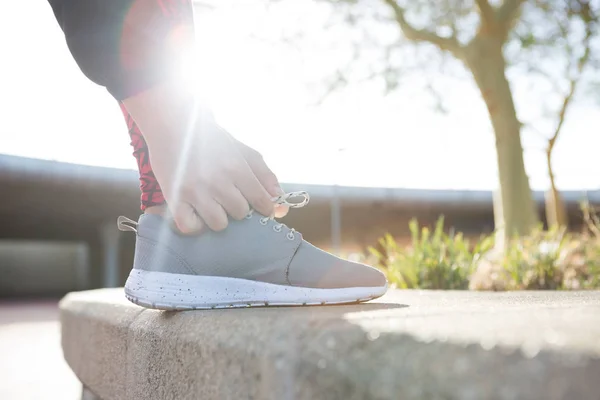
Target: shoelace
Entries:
(284, 200)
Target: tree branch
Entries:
(506, 14)
(562, 114)
(509, 10)
(573, 81)
(450, 44)
(488, 15)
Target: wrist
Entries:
(168, 110)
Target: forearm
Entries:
(167, 112)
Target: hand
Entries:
(264, 174)
(204, 173)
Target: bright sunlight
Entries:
(262, 90)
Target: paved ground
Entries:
(31, 362)
(32, 366)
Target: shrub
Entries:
(543, 260)
(587, 254)
(435, 260)
(536, 261)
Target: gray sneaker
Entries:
(254, 262)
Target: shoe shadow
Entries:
(324, 310)
(333, 310)
(364, 306)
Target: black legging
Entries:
(126, 45)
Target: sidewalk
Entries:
(31, 361)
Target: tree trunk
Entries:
(485, 59)
(556, 212)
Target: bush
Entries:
(435, 260)
(536, 261)
(544, 260)
(589, 249)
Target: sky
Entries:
(261, 91)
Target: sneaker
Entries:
(254, 262)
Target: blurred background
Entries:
(379, 126)
(383, 110)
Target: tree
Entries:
(569, 38)
(483, 35)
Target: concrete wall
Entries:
(42, 268)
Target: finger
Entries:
(211, 212)
(263, 173)
(254, 192)
(232, 200)
(186, 219)
(266, 177)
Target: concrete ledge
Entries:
(409, 345)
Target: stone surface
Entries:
(409, 345)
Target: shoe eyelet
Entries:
(264, 221)
(290, 236)
(277, 228)
(249, 216)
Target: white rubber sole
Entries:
(165, 291)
